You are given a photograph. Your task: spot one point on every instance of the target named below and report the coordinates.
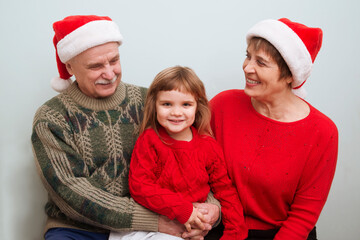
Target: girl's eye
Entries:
(166, 104)
(188, 104)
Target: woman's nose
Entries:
(248, 66)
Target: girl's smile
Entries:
(175, 111)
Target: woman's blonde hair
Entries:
(183, 79)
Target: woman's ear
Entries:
(289, 80)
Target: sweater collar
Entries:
(97, 104)
(175, 143)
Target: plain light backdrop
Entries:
(206, 35)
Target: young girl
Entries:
(175, 159)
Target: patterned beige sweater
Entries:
(82, 148)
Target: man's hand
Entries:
(210, 211)
(211, 214)
(172, 227)
(195, 220)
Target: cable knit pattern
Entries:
(82, 148)
(166, 176)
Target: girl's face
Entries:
(175, 111)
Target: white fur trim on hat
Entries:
(289, 45)
(87, 36)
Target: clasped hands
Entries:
(203, 217)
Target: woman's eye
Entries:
(260, 63)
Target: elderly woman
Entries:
(281, 152)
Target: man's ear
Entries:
(69, 68)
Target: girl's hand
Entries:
(211, 214)
(195, 221)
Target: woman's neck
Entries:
(284, 108)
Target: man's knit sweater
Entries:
(82, 148)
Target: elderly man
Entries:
(83, 139)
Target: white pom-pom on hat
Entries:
(59, 84)
(300, 92)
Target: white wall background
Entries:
(207, 35)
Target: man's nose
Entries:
(108, 72)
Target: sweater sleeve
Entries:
(76, 193)
(226, 193)
(144, 188)
(312, 191)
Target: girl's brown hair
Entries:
(183, 79)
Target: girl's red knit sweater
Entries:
(167, 176)
(282, 171)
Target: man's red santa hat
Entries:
(74, 35)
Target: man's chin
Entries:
(104, 91)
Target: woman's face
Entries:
(262, 76)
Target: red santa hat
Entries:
(297, 44)
(75, 34)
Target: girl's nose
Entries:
(176, 111)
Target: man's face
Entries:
(97, 70)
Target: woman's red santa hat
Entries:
(297, 44)
(74, 35)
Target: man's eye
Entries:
(95, 66)
(114, 61)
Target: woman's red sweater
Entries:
(282, 171)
